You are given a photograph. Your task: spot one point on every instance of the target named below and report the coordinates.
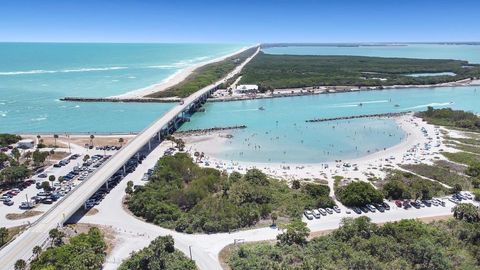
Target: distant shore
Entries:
(318, 90)
(174, 79)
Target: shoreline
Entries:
(173, 79)
(408, 151)
(321, 90)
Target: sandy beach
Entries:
(174, 79)
(418, 147)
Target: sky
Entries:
(238, 21)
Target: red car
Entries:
(398, 203)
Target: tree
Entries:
(358, 194)
(274, 217)
(467, 212)
(85, 158)
(457, 188)
(55, 137)
(91, 139)
(39, 157)
(45, 186)
(56, 236)
(51, 178)
(20, 265)
(16, 154)
(3, 236)
(37, 250)
(129, 188)
(295, 184)
(120, 141)
(296, 232)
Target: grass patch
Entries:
(442, 175)
(204, 76)
(26, 214)
(286, 71)
(463, 158)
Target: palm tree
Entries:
(20, 265)
(36, 251)
(56, 236)
(38, 138)
(91, 139)
(51, 178)
(55, 137)
(467, 212)
(120, 140)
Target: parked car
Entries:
(316, 213)
(308, 214)
(329, 210)
(322, 211)
(8, 202)
(379, 207)
(371, 208)
(356, 210)
(336, 209)
(386, 206)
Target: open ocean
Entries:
(33, 76)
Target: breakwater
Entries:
(112, 99)
(206, 130)
(357, 116)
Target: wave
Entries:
(345, 106)
(39, 119)
(434, 104)
(41, 71)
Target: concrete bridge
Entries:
(37, 233)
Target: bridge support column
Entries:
(106, 184)
(149, 145)
(124, 169)
(159, 136)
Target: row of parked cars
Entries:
(374, 207)
(108, 147)
(98, 196)
(459, 197)
(406, 204)
(7, 196)
(317, 213)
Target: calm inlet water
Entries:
(280, 133)
(33, 76)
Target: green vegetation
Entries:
(7, 139)
(13, 174)
(451, 118)
(404, 185)
(463, 157)
(440, 174)
(467, 212)
(183, 196)
(204, 76)
(159, 255)
(360, 244)
(286, 71)
(83, 251)
(358, 194)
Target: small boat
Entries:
(360, 104)
(261, 108)
(396, 105)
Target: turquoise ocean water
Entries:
(33, 76)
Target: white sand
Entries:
(411, 150)
(176, 78)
